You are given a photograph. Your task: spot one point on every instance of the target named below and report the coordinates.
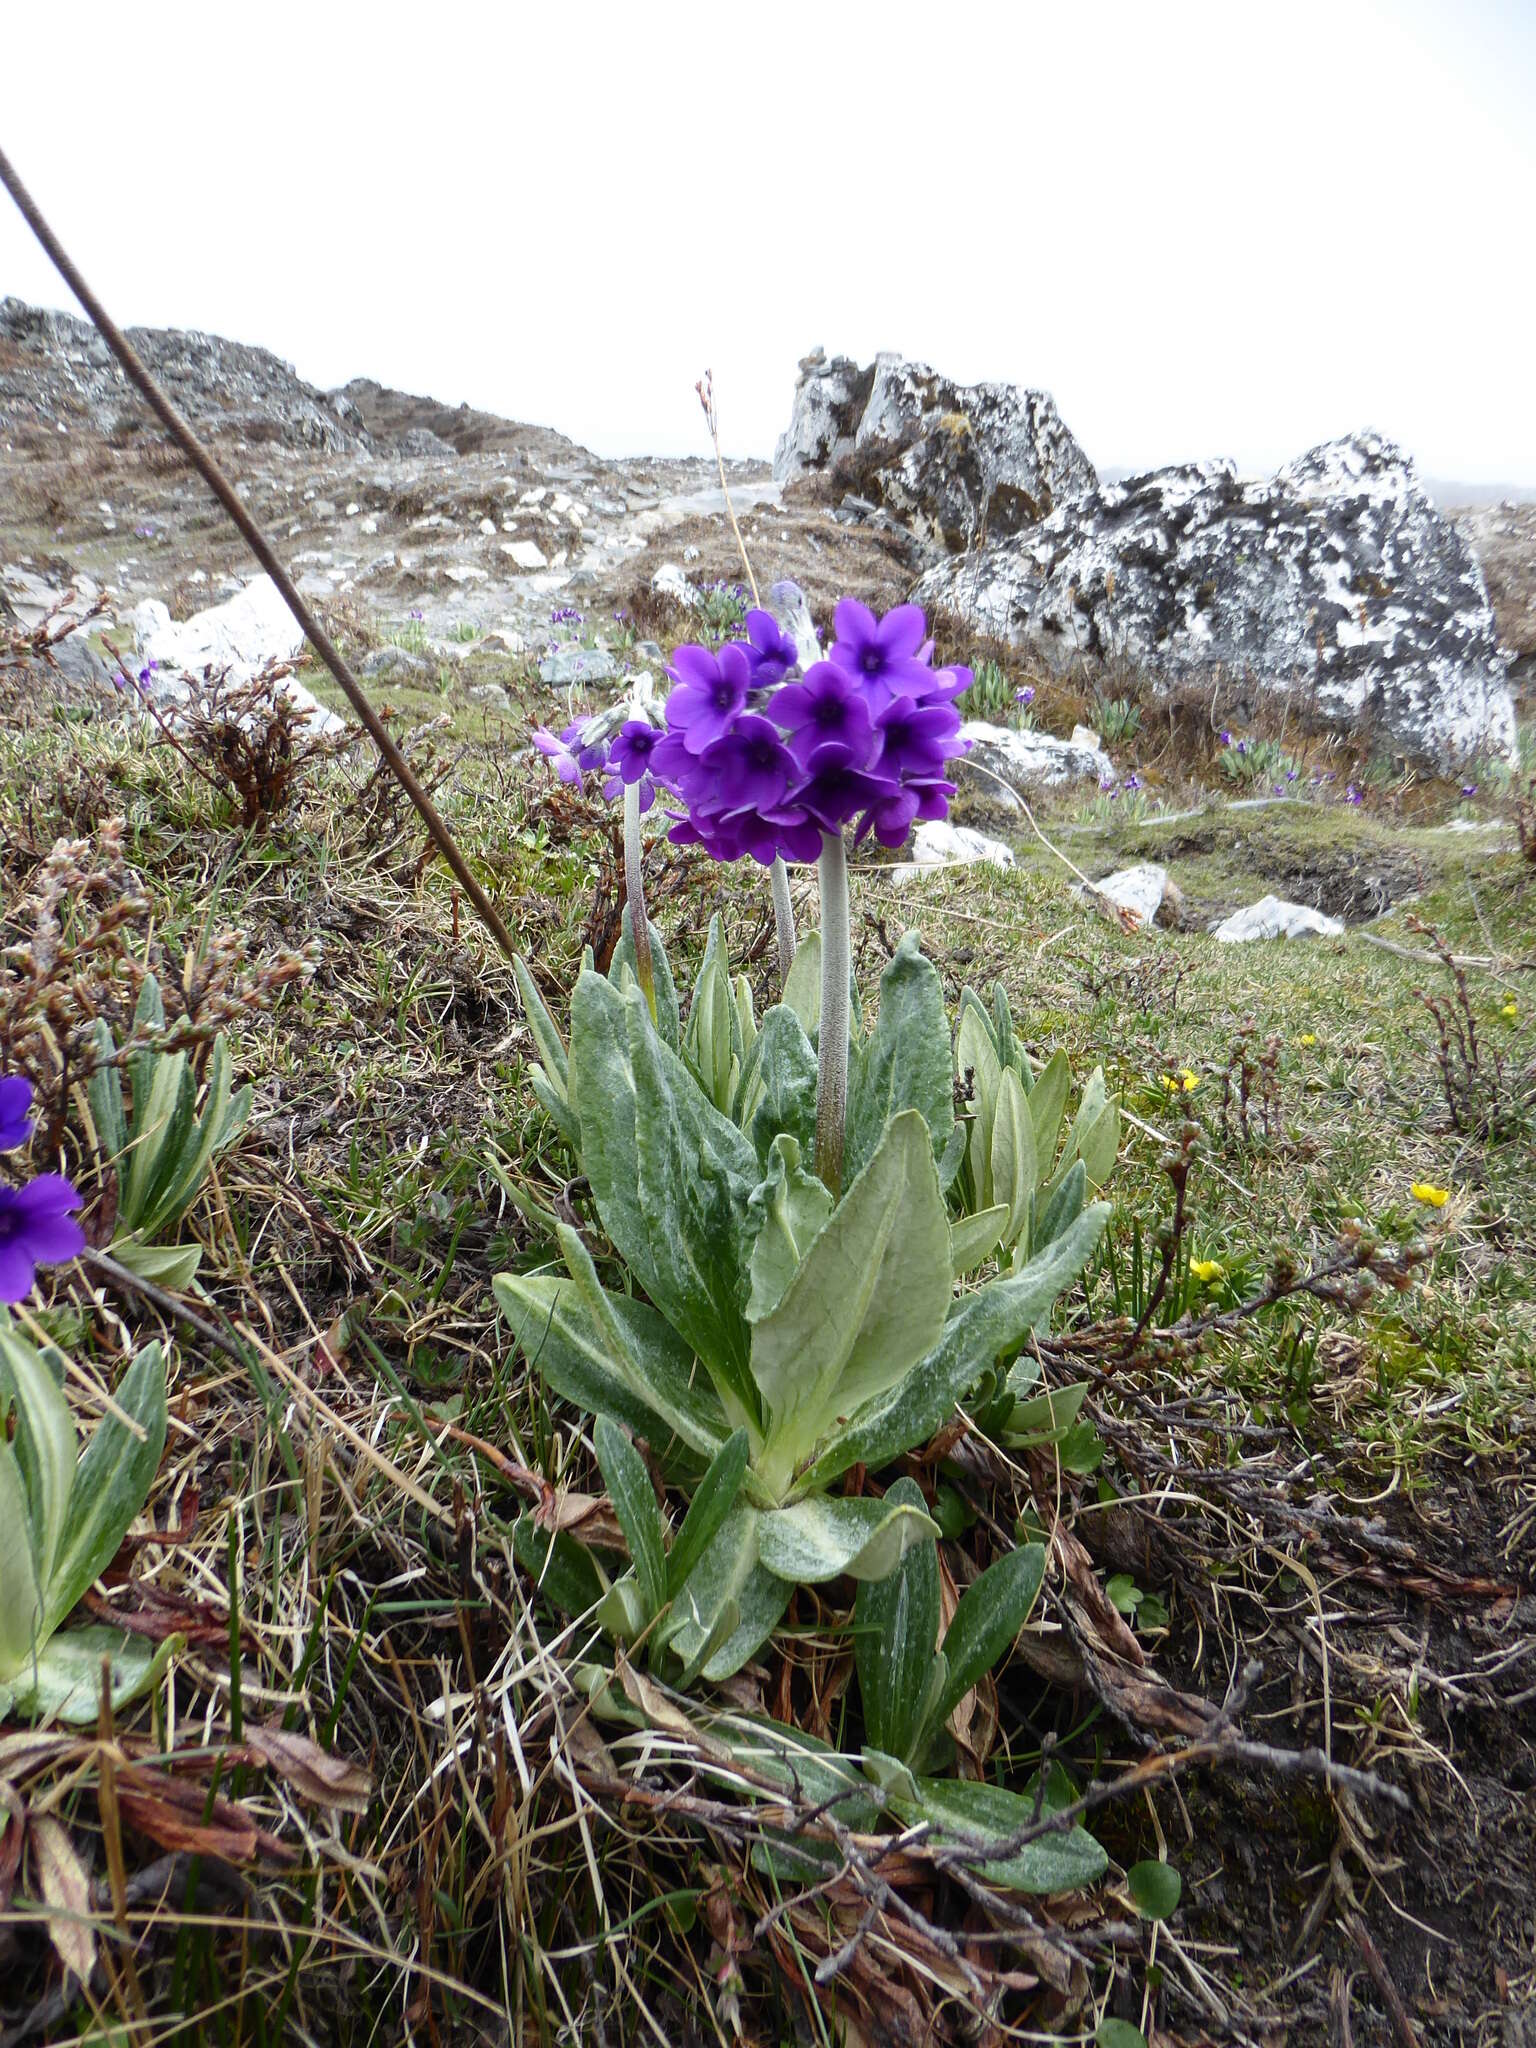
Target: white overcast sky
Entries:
(1227, 229)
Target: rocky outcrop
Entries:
(1335, 583)
(954, 462)
(1001, 760)
(56, 371)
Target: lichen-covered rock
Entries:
(940, 843)
(954, 462)
(1144, 893)
(1001, 760)
(1336, 583)
(1273, 918)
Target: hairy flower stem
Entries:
(832, 1068)
(634, 896)
(783, 918)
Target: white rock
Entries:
(1141, 890)
(353, 509)
(487, 527)
(527, 554)
(939, 844)
(241, 636)
(669, 581)
(369, 526)
(1273, 918)
(1030, 759)
(465, 572)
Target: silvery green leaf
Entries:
(167, 1265)
(158, 1112)
(634, 1502)
(555, 1106)
(713, 1499)
(711, 1040)
(623, 961)
(558, 1565)
(990, 1614)
(542, 1026)
(786, 1076)
(670, 1177)
(65, 1683)
(868, 1300)
(908, 1062)
(221, 1122)
(1047, 1103)
(1044, 1418)
(975, 1815)
(993, 1320)
(726, 1623)
(1099, 1144)
(112, 1483)
(890, 1773)
(797, 1763)
(43, 1442)
(623, 1610)
(727, 1573)
(1012, 1156)
(976, 1056)
(1002, 1031)
(1063, 1206)
(104, 1092)
(895, 1632)
(746, 1015)
(786, 1211)
(954, 1155)
(648, 1380)
(974, 1238)
(21, 1606)
(802, 984)
(821, 1538)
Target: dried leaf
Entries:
(65, 1886)
(174, 1813)
(12, 1835)
(312, 1771)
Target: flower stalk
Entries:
(783, 917)
(634, 896)
(832, 1063)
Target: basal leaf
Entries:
(65, 1684)
(713, 1499)
(634, 1502)
(43, 1442)
(727, 1572)
(990, 1614)
(1012, 1157)
(821, 1538)
(974, 1238)
(545, 1031)
(785, 1213)
(802, 985)
(558, 1564)
(667, 1014)
(895, 1632)
(21, 1604)
(908, 1062)
(1047, 1102)
(975, 1816)
(112, 1483)
(786, 1084)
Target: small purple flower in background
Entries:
(1469, 789)
(418, 616)
(1133, 780)
(1242, 746)
(143, 533)
(1025, 696)
(37, 1228)
(1291, 774)
(1107, 785)
(15, 1111)
(1354, 794)
(1225, 737)
(572, 758)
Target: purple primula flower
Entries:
(1354, 794)
(1026, 696)
(750, 766)
(885, 653)
(37, 1228)
(1225, 737)
(418, 616)
(15, 1111)
(1469, 789)
(914, 736)
(711, 690)
(631, 753)
(828, 707)
(769, 650)
(1133, 780)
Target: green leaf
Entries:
(545, 1031)
(976, 1057)
(802, 984)
(953, 1157)
(868, 1301)
(974, 1238)
(167, 1265)
(221, 1119)
(993, 1320)
(1063, 1207)
(786, 1084)
(1012, 1156)
(112, 1483)
(908, 1063)
(713, 1499)
(1156, 1888)
(1002, 1031)
(670, 1177)
(21, 1605)
(792, 1205)
(990, 1614)
(44, 1441)
(559, 1565)
(1123, 1593)
(555, 1106)
(977, 1816)
(667, 1015)
(1045, 1418)
(821, 1538)
(1119, 2034)
(65, 1683)
(895, 1633)
(159, 1112)
(104, 1092)
(711, 1043)
(728, 1572)
(627, 1361)
(746, 1015)
(1047, 1103)
(634, 1502)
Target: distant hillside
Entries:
(398, 417)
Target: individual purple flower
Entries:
(1026, 696)
(632, 750)
(1469, 789)
(837, 787)
(750, 766)
(830, 707)
(1354, 794)
(916, 738)
(1133, 780)
(36, 1229)
(711, 690)
(886, 653)
(769, 650)
(571, 757)
(417, 615)
(1225, 737)
(15, 1111)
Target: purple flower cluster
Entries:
(623, 759)
(766, 766)
(37, 1226)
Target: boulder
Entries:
(236, 639)
(1273, 918)
(1334, 583)
(954, 462)
(938, 844)
(1144, 893)
(1030, 760)
(577, 665)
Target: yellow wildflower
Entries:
(1426, 1191)
(1207, 1271)
(1191, 1081)
(1511, 1010)
(1307, 1038)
